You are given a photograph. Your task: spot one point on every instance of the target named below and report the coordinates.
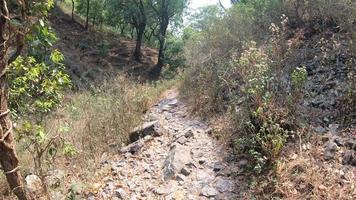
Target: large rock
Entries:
(209, 192)
(34, 185)
(349, 158)
(144, 130)
(330, 150)
(133, 148)
(224, 185)
(176, 160)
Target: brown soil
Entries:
(94, 56)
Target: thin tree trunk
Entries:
(73, 6)
(140, 31)
(87, 17)
(8, 157)
(156, 71)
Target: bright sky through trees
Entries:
(200, 3)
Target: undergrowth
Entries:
(93, 122)
(248, 78)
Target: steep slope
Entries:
(92, 56)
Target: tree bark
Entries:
(87, 15)
(8, 157)
(164, 22)
(140, 31)
(73, 6)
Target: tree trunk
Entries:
(156, 71)
(8, 157)
(87, 17)
(132, 32)
(73, 6)
(140, 31)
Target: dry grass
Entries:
(98, 121)
(302, 173)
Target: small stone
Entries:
(338, 141)
(191, 165)
(208, 191)
(333, 128)
(189, 134)
(202, 161)
(350, 143)
(180, 178)
(218, 166)
(173, 103)
(243, 163)
(224, 185)
(322, 187)
(209, 131)
(91, 197)
(182, 140)
(330, 150)
(120, 193)
(320, 130)
(178, 195)
(163, 190)
(326, 120)
(349, 158)
(185, 171)
(325, 138)
(203, 176)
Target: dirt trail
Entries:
(182, 162)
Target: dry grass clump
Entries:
(305, 175)
(106, 115)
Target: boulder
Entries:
(133, 148)
(209, 192)
(330, 150)
(147, 128)
(177, 158)
(349, 158)
(224, 185)
(34, 185)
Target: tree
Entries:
(165, 10)
(87, 15)
(136, 13)
(73, 7)
(14, 26)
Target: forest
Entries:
(177, 99)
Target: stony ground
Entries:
(180, 161)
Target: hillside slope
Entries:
(93, 56)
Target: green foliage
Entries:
(69, 150)
(299, 77)
(36, 88)
(41, 41)
(37, 82)
(242, 88)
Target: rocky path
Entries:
(180, 161)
